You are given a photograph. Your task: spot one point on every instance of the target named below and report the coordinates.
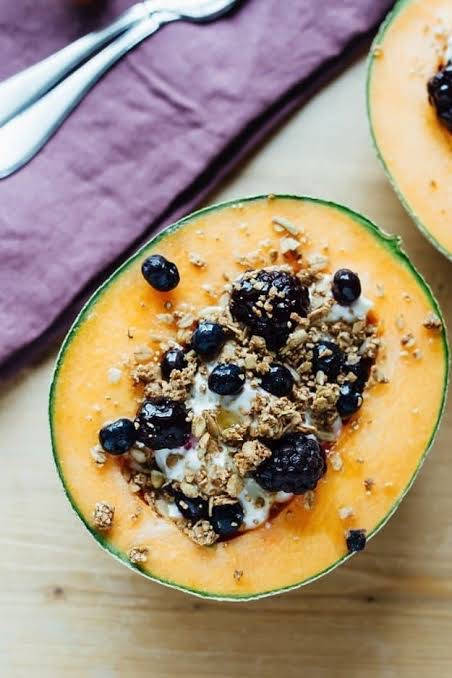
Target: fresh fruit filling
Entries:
(240, 411)
(440, 89)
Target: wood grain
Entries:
(69, 609)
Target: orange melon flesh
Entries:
(415, 148)
(396, 424)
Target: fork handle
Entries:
(23, 136)
(22, 89)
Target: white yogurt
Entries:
(188, 460)
(202, 398)
(254, 515)
(356, 311)
(321, 291)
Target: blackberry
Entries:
(193, 509)
(208, 339)
(160, 273)
(440, 95)
(264, 301)
(173, 359)
(278, 380)
(296, 465)
(349, 401)
(356, 540)
(346, 287)
(118, 437)
(162, 423)
(227, 519)
(327, 358)
(227, 379)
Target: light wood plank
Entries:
(69, 609)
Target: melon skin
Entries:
(273, 562)
(413, 147)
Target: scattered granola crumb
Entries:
(417, 353)
(377, 52)
(336, 461)
(202, 533)
(308, 500)
(406, 297)
(345, 512)
(196, 260)
(103, 515)
(286, 225)
(380, 290)
(251, 455)
(142, 354)
(415, 410)
(288, 245)
(238, 574)
(114, 374)
(432, 321)
(98, 455)
(138, 554)
(369, 484)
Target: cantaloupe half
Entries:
(416, 151)
(397, 423)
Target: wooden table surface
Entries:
(69, 609)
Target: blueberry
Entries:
(264, 302)
(440, 95)
(278, 380)
(162, 423)
(118, 437)
(160, 273)
(208, 339)
(349, 401)
(296, 465)
(173, 359)
(227, 379)
(361, 370)
(227, 519)
(328, 358)
(356, 540)
(346, 287)
(193, 509)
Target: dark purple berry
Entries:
(356, 540)
(346, 287)
(296, 465)
(173, 359)
(118, 437)
(226, 519)
(328, 358)
(162, 423)
(160, 273)
(440, 95)
(264, 302)
(349, 401)
(361, 370)
(278, 380)
(193, 509)
(227, 379)
(208, 339)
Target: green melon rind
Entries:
(390, 242)
(378, 42)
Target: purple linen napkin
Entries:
(149, 142)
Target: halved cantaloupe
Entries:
(415, 149)
(397, 422)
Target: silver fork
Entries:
(33, 106)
